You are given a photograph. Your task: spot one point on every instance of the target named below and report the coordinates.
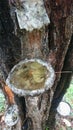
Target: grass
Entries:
(69, 94)
(2, 102)
(47, 128)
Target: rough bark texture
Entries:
(60, 35)
(34, 44)
(38, 110)
(9, 43)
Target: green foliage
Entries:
(2, 102)
(69, 94)
(47, 128)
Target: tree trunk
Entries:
(48, 43)
(34, 44)
(60, 43)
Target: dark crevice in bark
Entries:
(65, 77)
(62, 86)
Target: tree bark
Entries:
(34, 44)
(49, 43)
(60, 35)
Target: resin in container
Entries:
(29, 76)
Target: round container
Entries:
(64, 108)
(11, 115)
(31, 77)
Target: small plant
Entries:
(69, 94)
(2, 102)
(47, 128)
